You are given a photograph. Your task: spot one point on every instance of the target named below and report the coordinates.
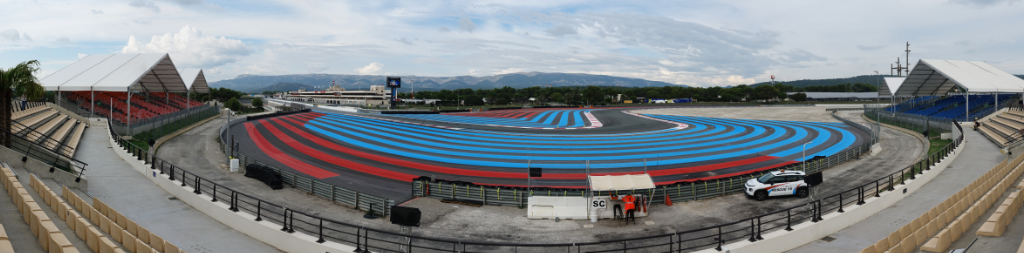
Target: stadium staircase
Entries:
(1004, 128)
(50, 128)
(935, 230)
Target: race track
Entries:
(381, 155)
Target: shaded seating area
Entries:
(966, 90)
(127, 88)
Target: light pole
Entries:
(805, 156)
(878, 98)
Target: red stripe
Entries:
(281, 157)
(338, 161)
(399, 162)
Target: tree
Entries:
(18, 79)
(233, 104)
(783, 95)
(557, 96)
(800, 96)
(257, 102)
(765, 92)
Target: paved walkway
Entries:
(978, 157)
(121, 187)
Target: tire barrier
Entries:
(266, 175)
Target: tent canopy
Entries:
(891, 84)
(621, 182)
(118, 72)
(937, 77)
(195, 81)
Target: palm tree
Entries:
(19, 79)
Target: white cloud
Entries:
(561, 30)
(10, 35)
(444, 30)
(143, 4)
(983, 3)
(466, 25)
(81, 55)
(97, 12)
(370, 69)
(189, 48)
(63, 40)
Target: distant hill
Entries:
(1020, 76)
(866, 79)
(252, 83)
(283, 86)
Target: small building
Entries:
(377, 95)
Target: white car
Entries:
(777, 183)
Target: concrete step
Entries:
(23, 176)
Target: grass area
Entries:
(142, 139)
(937, 144)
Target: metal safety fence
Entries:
(46, 151)
(336, 194)
(372, 239)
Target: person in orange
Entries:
(630, 207)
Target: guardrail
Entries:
(371, 239)
(359, 200)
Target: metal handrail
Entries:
(72, 162)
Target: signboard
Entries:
(599, 203)
(394, 82)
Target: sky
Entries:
(696, 43)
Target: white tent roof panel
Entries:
(52, 81)
(621, 182)
(936, 77)
(118, 72)
(194, 80)
(891, 84)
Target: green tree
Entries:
(800, 96)
(765, 92)
(557, 96)
(257, 102)
(233, 104)
(18, 79)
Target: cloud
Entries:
(10, 35)
(63, 40)
(404, 41)
(188, 47)
(561, 30)
(870, 48)
(467, 25)
(187, 2)
(962, 43)
(983, 3)
(444, 30)
(97, 12)
(142, 4)
(81, 55)
(370, 69)
(26, 37)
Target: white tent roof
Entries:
(621, 182)
(194, 80)
(936, 77)
(118, 72)
(891, 84)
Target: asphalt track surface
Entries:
(381, 156)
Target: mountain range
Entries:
(256, 83)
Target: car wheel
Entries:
(802, 192)
(760, 195)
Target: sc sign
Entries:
(599, 203)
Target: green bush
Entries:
(257, 102)
(233, 104)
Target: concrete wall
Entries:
(264, 231)
(807, 232)
(42, 170)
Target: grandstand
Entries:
(981, 89)
(135, 91)
(53, 129)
